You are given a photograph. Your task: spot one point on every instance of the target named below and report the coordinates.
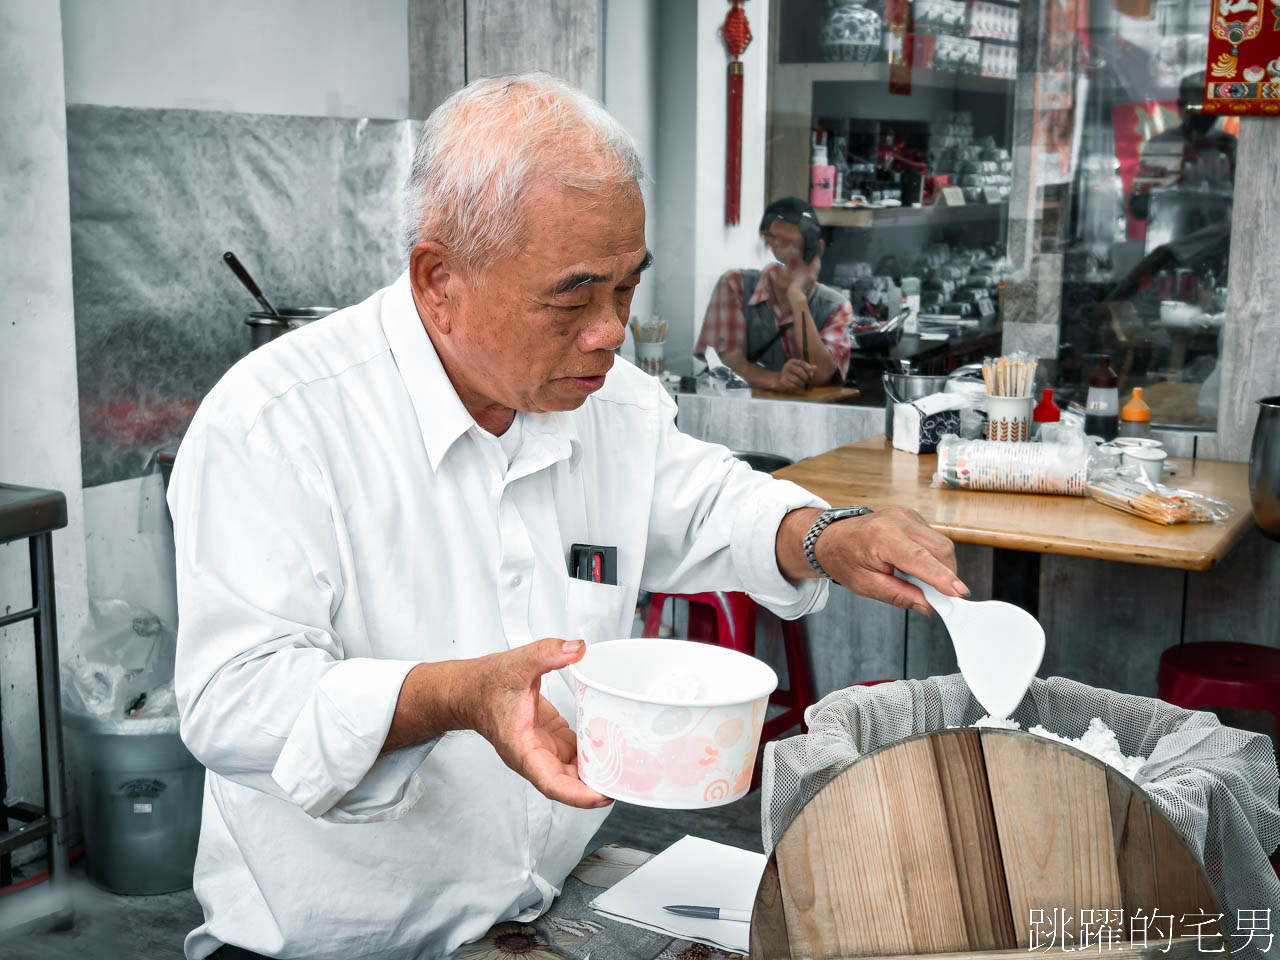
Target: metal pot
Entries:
(902, 387)
(265, 327)
(1264, 467)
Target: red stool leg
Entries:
(736, 619)
(653, 617)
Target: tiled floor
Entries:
(110, 927)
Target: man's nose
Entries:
(606, 330)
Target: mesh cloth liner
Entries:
(1217, 785)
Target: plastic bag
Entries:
(124, 673)
(721, 379)
(1130, 490)
(1049, 467)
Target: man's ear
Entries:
(429, 276)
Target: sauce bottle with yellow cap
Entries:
(1135, 416)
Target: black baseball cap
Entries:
(795, 211)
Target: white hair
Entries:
(484, 146)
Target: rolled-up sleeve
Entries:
(267, 694)
(713, 524)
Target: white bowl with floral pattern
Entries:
(669, 723)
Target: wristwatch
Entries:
(825, 519)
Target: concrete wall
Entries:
(695, 246)
(630, 92)
(39, 413)
(720, 247)
(321, 58)
(295, 57)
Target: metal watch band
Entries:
(825, 519)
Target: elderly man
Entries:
(373, 517)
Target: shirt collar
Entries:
(763, 292)
(442, 418)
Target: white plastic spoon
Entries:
(998, 647)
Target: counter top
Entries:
(871, 472)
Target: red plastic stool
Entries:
(729, 620)
(1245, 676)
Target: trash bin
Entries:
(140, 794)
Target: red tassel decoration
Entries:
(733, 147)
(736, 32)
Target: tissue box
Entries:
(919, 425)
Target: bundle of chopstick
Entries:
(1009, 377)
(1149, 504)
(648, 332)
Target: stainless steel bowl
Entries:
(265, 327)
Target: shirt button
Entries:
(515, 581)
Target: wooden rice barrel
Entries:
(944, 843)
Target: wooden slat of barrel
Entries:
(1135, 857)
(870, 869)
(1183, 886)
(768, 921)
(971, 827)
(1053, 814)
(1156, 873)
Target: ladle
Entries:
(998, 647)
(238, 269)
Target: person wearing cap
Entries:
(778, 328)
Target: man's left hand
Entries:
(862, 553)
(802, 277)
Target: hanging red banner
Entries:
(1243, 72)
(736, 32)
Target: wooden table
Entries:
(812, 395)
(1023, 526)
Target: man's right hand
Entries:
(795, 376)
(503, 704)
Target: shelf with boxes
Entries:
(878, 73)
(893, 119)
(906, 216)
(977, 37)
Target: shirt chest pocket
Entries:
(595, 611)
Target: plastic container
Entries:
(1135, 416)
(1102, 405)
(822, 185)
(140, 796)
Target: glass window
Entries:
(1031, 177)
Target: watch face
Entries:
(841, 513)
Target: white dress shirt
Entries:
(339, 518)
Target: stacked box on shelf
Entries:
(981, 169)
(940, 17)
(991, 21)
(999, 60)
(960, 281)
(995, 25)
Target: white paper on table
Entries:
(690, 871)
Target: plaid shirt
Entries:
(725, 328)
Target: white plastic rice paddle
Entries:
(998, 647)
